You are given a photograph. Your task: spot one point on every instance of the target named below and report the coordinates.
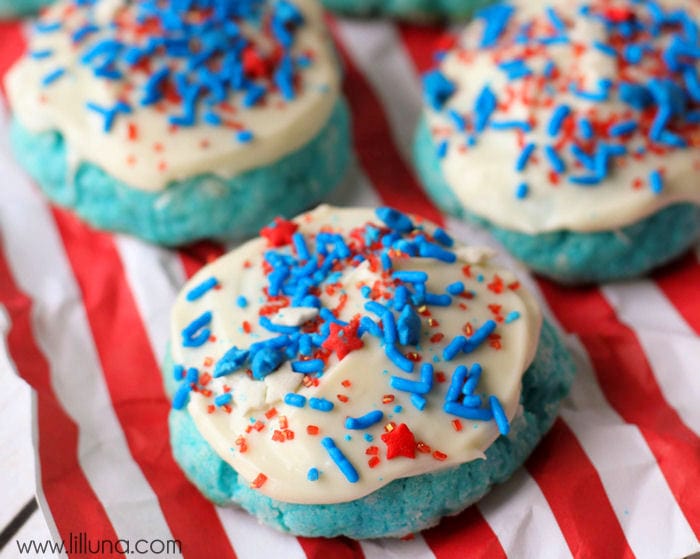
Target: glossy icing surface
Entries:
(570, 115)
(153, 95)
(287, 432)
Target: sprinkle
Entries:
(398, 359)
(321, 404)
(512, 317)
(181, 396)
(259, 481)
(479, 336)
(344, 465)
(196, 333)
(499, 415)
(52, 76)
(458, 378)
(312, 474)
(555, 160)
(244, 136)
(410, 276)
(223, 399)
(522, 191)
(438, 89)
(309, 366)
(399, 442)
(265, 362)
(199, 290)
(454, 347)
(296, 400)
(656, 183)
(241, 301)
(555, 123)
(524, 157)
(443, 238)
(364, 422)
(480, 414)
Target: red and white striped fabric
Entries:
(618, 476)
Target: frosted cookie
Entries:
(177, 123)
(415, 10)
(571, 131)
(17, 8)
(359, 374)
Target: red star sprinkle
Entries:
(400, 442)
(343, 339)
(280, 233)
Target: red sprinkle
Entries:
(259, 481)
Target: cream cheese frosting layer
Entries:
(581, 116)
(152, 93)
(322, 362)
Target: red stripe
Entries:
(590, 526)
(73, 504)
(631, 388)
(680, 282)
(421, 41)
(467, 531)
(337, 548)
(13, 45)
(375, 146)
(136, 387)
(196, 255)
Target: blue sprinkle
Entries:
(480, 336)
(410, 276)
(265, 362)
(430, 250)
(459, 376)
(199, 290)
(408, 326)
(344, 465)
(309, 366)
(484, 107)
(554, 159)
(181, 396)
(232, 360)
(524, 157)
(656, 183)
(241, 301)
(364, 422)
(40, 54)
(386, 261)
(395, 220)
(52, 76)
(555, 20)
(512, 317)
(312, 474)
(438, 300)
(442, 148)
(479, 414)
(456, 288)
(398, 359)
(443, 238)
(512, 125)
(418, 401)
(622, 128)
(244, 136)
(454, 347)
(321, 404)
(196, 334)
(522, 191)
(605, 48)
(496, 20)
(266, 323)
(499, 415)
(438, 89)
(296, 400)
(398, 409)
(223, 399)
(555, 123)
(192, 375)
(178, 372)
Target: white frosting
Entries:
(363, 376)
(484, 176)
(158, 155)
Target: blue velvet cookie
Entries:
(414, 10)
(568, 131)
(176, 126)
(316, 425)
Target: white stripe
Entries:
(155, 275)
(635, 486)
(640, 497)
(388, 548)
(519, 515)
(378, 52)
(672, 348)
(38, 261)
(251, 540)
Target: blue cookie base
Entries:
(415, 10)
(567, 256)
(205, 206)
(15, 8)
(406, 505)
